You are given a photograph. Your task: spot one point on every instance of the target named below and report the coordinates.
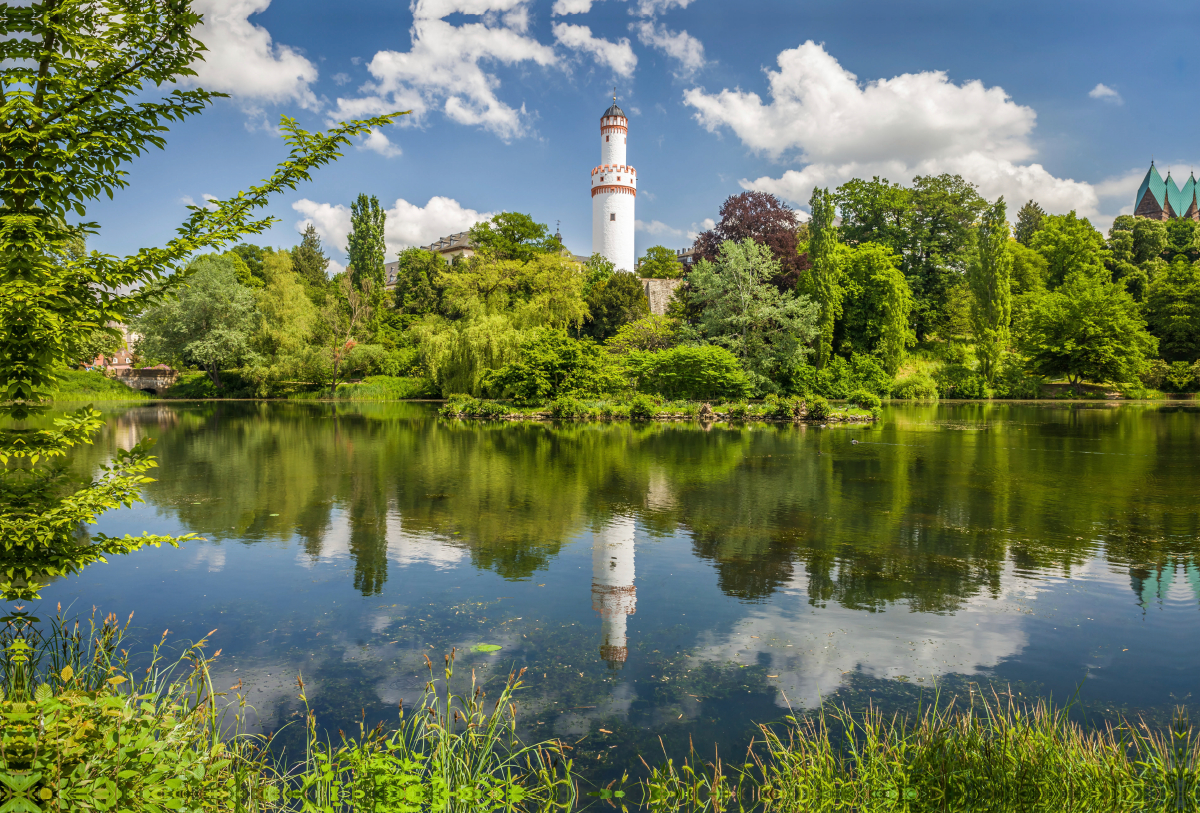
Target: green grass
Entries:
(82, 730)
(92, 385)
(994, 755)
(642, 407)
(378, 388)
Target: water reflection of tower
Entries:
(613, 593)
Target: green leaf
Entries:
(485, 648)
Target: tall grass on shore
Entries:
(82, 730)
(93, 385)
(993, 755)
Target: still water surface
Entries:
(668, 579)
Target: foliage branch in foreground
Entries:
(74, 86)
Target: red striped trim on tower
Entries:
(620, 189)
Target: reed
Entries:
(994, 754)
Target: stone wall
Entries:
(149, 379)
(659, 291)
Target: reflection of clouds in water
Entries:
(829, 642)
(265, 686)
(403, 548)
(212, 555)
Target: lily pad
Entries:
(485, 647)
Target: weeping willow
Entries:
(493, 305)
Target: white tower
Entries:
(613, 593)
(614, 189)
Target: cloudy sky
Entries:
(1063, 102)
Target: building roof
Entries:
(1153, 183)
(614, 111)
(1175, 197)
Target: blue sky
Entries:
(1063, 102)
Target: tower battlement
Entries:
(614, 190)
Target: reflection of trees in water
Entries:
(929, 510)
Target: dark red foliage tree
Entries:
(765, 219)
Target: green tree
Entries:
(417, 292)
(252, 256)
(1173, 311)
(1069, 245)
(660, 262)
(343, 320)
(928, 226)
(826, 275)
(210, 323)
(309, 260)
(365, 247)
(990, 279)
(768, 330)
(1087, 329)
(1150, 239)
(878, 304)
(513, 236)
(242, 271)
(288, 315)
(550, 364)
(651, 332)
(613, 301)
(78, 104)
(1029, 270)
(1029, 220)
(489, 307)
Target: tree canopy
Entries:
(765, 219)
(513, 236)
(660, 262)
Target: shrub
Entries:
(788, 409)
(865, 400)
(614, 412)
(840, 377)
(486, 409)
(551, 364)
(739, 411)
(642, 408)
(567, 407)
(1154, 374)
(1014, 381)
(818, 408)
(456, 405)
(697, 373)
(916, 387)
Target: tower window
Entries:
(606, 138)
(612, 216)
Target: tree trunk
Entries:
(214, 375)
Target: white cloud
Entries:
(443, 68)
(652, 8)
(407, 224)
(244, 62)
(341, 78)
(376, 141)
(1102, 91)
(571, 7)
(707, 224)
(616, 55)
(679, 45)
(656, 227)
(820, 115)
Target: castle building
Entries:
(1160, 199)
(614, 190)
(613, 593)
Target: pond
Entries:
(668, 580)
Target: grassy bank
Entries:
(814, 409)
(81, 730)
(994, 755)
(93, 385)
(377, 388)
